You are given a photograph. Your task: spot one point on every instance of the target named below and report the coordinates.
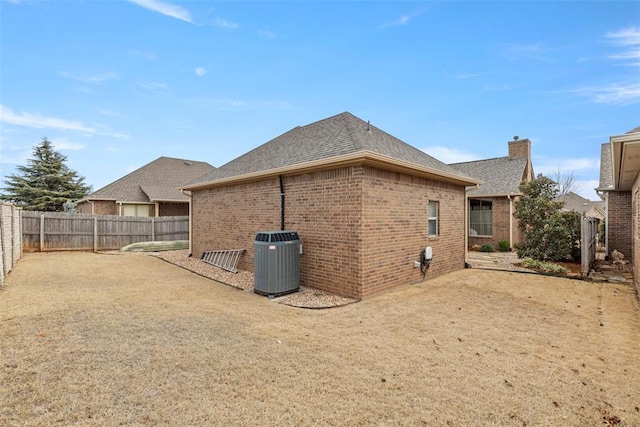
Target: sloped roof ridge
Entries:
(163, 171)
(485, 160)
(634, 130)
(348, 119)
(331, 138)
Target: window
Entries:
(433, 218)
(135, 210)
(480, 217)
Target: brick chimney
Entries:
(519, 148)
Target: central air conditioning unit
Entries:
(276, 263)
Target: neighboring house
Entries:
(152, 190)
(364, 203)
(491, 205)
(585, 207)
(620, 189)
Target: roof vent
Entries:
(515, 138)
(188, 163)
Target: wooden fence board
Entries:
(51, 231)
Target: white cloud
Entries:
(613, 93)
(622, 92)
(268, 33)
(41, 122)
(201, 71)
(629, 39)
(149, 56)
(462, 76)
(164, 8)
(449, 155)
(586, 189)
(551, 166)
(153, 85)
(91, 78)
(65, 144)
(626, 37)
(520, 51)
(222, 23)
(111, 113)
(402, 20)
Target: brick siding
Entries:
(100, 207)
(173, 209)
(361, 227)
(620, 223)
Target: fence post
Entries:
(95, 234)
(153, 230)
(41, 232)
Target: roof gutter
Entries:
(363, 157)
(190, 196)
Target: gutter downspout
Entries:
(606, 223)
(510, 220)
(190, 196)
(466, 226)
(281, 203)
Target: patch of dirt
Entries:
(107, 340)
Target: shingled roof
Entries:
(500, 176)
(574, 202)
(158, 181)
(606, 172)
(334, 140)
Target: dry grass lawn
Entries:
(90, 339)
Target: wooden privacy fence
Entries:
(588, 241)
(55, 231)
(10, 238)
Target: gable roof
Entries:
(606, 172)
(158, 181)
(500, 176)
(577, 203)
(336, 140)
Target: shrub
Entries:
(549, 233)
(487, 247)
(544, 267)
(504, 246)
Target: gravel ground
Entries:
(306, 298)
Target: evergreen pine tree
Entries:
(46, 183)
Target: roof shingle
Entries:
(339, 135)
(160, 180)
(500, 176)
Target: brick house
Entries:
(491, 204)
(620, 189)
(364, 204)
(152, 190)
(585, 207)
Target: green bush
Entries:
(550, 234)
(487, 247)
(504, 246)
(544, 267)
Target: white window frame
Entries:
(433, 219)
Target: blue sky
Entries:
(117, 84)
